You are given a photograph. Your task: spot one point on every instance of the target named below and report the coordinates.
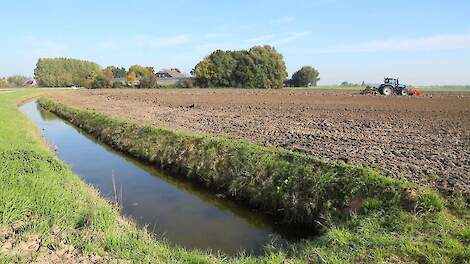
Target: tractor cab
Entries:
(391, 81)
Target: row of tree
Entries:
(66, 72)
(258, 67)
(13, 81)
(137, 76)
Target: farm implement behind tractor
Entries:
(391, 86)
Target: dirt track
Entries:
(426, 139)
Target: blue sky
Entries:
(421, 41)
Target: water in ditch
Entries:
(174, 210)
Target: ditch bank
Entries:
(298, 188)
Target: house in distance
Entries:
(171, 77)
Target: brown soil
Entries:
(27, 247)
(422, 139)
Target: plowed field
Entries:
(422, 139)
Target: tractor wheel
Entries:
(404, 92)
(387, 90)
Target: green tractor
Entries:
(393, 86)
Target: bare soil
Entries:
(27, 247)
(422, 139)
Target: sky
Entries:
(424, 42)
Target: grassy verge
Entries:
(39, 195)
(42, 198)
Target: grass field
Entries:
(359, 88)
(41, 200)
(445, 89)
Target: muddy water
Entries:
(177, 211)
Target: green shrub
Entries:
(118, 85)
(188, 83)
(150, 81)
(101, 82)
(17, 80)
(4, 83)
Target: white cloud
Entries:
(437, 42)
(153, 41)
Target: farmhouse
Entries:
(30, 83)
(169, 73)
(170, 77)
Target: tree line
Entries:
(66, 72)
(13, 81)
(258, 67)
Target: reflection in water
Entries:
(180, 212)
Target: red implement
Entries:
(415, 92)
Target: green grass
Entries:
(444, 88)
(415, 225)
(36, 188)
(328, 87)
(360, 88)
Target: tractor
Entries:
(391, 86)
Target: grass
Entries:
(445, 88)
(328, 87)
(414, 225)
(360, 88)
(38, 189)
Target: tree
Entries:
(259, 67)
(108, 72)
(141, 71)
(306, 76)
(269, 65)
(118, 72)
(65, 72)
(131, 78)
(215, 70)
(346, 84)
(4, 83)
(149, 81)
(17, 80)
(101, 81)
